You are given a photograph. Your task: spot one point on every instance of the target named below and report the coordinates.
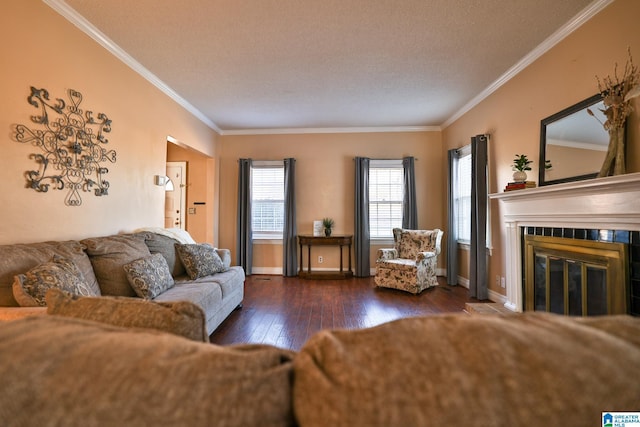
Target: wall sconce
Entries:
(164, 181)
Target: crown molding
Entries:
(585, 15)
(86, 27)
(289, 131)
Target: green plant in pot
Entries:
(520, 166)
(327, 223)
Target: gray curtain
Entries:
(289, 232)
(452, 235)
(409, 205)
(361, 243)
(244, 242)
(478, 279)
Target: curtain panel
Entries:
(478, 279)
(289, 232)
(452, 235)
(361, 239)
(409, 204)
(244, 243)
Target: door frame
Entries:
(182, 187)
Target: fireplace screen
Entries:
(575, 277)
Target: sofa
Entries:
(154, 264)
(531, 369)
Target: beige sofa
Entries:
(101, 261)
(533, 369)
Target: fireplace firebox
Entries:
(575, 277)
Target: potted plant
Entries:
(520, 166)
(327, 223)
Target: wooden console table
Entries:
(324, 241)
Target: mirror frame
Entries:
(543, 140)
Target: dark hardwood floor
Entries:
(286, 311)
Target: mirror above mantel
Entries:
(573, 142)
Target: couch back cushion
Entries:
(164, 245)
(533, 369)
(410, 242)
(72, 372)
(20, 258)
(108, 256)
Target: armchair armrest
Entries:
(387, 253)
(423, 256)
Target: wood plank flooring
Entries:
(286, 311)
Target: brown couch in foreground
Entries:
(481, 370)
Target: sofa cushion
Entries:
(29, 289)
(199, 260)
(149, 276)
(19, 258)
(108, 256)
(459, 370)
(165, 245)
(176, 317)
(79, 373)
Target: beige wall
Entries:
(325, 180)
(40, 48)
(558, 79)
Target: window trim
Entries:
(384, 163)
(266, 237)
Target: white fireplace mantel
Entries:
(611, 203)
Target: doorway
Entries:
(175, 202)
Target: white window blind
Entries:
(462, 196)
(267, 199)
(386, 190)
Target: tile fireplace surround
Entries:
(611, 203)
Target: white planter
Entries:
(519, 176)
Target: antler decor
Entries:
(72, 154)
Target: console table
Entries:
(324, 241)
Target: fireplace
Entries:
(578, 277)
(608, 208)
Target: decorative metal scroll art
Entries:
(72, 142)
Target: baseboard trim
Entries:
(273, 271)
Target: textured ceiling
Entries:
(274, 64)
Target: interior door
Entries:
(175, 195)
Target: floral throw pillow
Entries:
(199, 260)
(30, 288)
(149, 276)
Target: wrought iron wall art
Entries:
(71, 141)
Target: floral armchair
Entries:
(411, 265)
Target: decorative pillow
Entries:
(182, 318)
(29, 289)
(149, 276)
(199, 260)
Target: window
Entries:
(462, 194)
(267, 199)
(386, 189)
